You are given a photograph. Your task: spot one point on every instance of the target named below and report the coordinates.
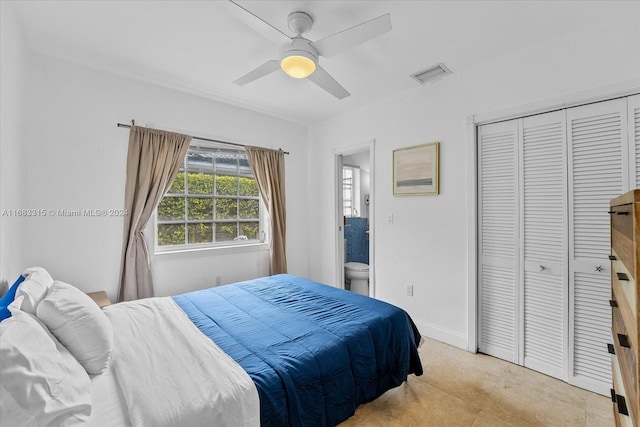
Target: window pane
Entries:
(248, 209)
(177, 186)
(226, 185)
(171, 208)
(243, 164)
(226, 164)
(248, 187)
(200, 183)
(226, 208)
(199, 161)
(201, 232)
(226, 232)
(170, 234)
(200, 208)
(250, 229)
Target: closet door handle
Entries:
(613, 303)
(612, 257)
(618, 213)
(611, 349)
(624, 341)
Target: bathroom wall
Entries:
(355, 232)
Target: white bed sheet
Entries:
(109, 408)
(169, 374)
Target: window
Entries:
(213, 201)
(350, 190)
(347, 191)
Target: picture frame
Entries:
(416, 170)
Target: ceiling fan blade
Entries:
(266, 68)
(258, 25)
(328, 83)
(346, 39)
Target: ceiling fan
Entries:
(299, 59)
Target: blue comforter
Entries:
(314, 352)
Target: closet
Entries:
(544, 185)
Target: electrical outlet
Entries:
(390, 218)
(218, 280)
(409, 290)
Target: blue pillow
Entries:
(8, 299)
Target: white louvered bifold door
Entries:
(498, 251)
(544, 230)
(598, 172)
(633, 108)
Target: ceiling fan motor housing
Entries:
(299, 22)
(300, 47)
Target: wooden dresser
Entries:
(625, 302)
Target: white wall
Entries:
(427, 245)
(13, 75)
(75, 158)
(60, 149)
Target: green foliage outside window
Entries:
(222, 218)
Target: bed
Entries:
(275, 351)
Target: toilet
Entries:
(358, 274)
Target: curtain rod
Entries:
(199, 138)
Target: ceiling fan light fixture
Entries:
(298, 66)
(299, 59)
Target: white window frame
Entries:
(355, 209)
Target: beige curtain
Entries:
(153, 161)
(268, 168)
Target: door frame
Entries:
(338, 153)
(600, 94)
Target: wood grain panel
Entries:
(618, 386)
(626, 312)
(625, 238)
(623, 247)
(626, 359)
(622, 219)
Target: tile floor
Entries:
(463, 389)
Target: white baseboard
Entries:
(455, 339)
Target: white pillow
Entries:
(79, 324)
(42, 384)
(34, 287)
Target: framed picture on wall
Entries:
(416, 170)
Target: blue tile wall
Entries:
(357, 240)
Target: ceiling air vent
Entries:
(430, 74)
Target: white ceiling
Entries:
(203, 46)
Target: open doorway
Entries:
(354, 213)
